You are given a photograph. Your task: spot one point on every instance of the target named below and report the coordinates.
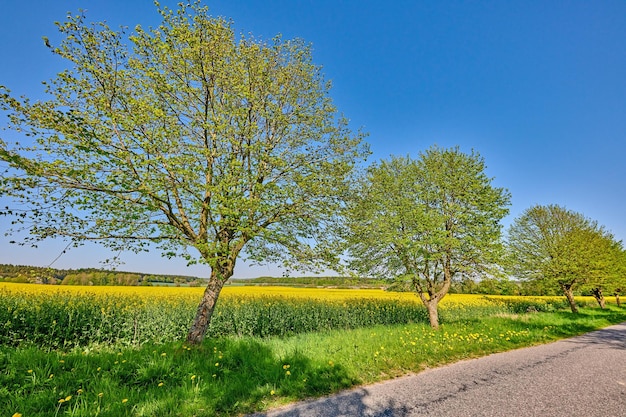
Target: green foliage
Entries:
(86, 276)
(191, 138)
(429, 219)
(556, 247)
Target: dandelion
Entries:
(51, 376)
(161, 384)
(285, 367)
(163, 354)
(193, 377)
(272, 392)
(17, 415)
(288, 373)
(125, 400)
(80, 391)
(99, 369)
(61, 361)
(30, 371)
(217, 364)
(100, 394)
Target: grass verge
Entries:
(234, 375)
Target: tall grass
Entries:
(65, 318)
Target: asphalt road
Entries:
(581, 376)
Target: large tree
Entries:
(560, 247)
(429, 220)
(205, 144)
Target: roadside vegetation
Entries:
(159, 374)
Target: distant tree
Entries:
(206, 144)
(559, 247)
(611, 280)
(429, 220)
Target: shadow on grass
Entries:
(222, 377)
(233, 376)
(250, 372)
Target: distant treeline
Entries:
(338, 282)
(92, 276)
(464, 286)
(89, 276)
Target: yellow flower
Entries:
(69, 397)
(125, 400)
(17, 415)
(80, 391)
(217, 364)
(30, 371)
(100, 394)
(272, 392)
(193, 377)
(160, 384)
(288, 373)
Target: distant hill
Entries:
(90, 276)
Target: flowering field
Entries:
(66, 316)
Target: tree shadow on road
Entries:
(613, 337)
(352, 403)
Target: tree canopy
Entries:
(206, 144)
(560, 247)
(428, 220)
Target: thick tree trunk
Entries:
(567, 290)
(597, 294)
(433, 313)
(205, 309)
(432, 301)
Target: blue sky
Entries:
(538, 88)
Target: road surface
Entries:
(581, 376)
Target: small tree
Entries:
(205, 145)
(559, 247)
(429, 219)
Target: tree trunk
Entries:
(597, 294)
(432, 301)
(567, 290)
(205, 309)
(619, 304)
(433, 313)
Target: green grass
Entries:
(233, 375)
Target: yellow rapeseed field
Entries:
(60, 316)
(229, 292)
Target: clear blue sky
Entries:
(537, 87)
